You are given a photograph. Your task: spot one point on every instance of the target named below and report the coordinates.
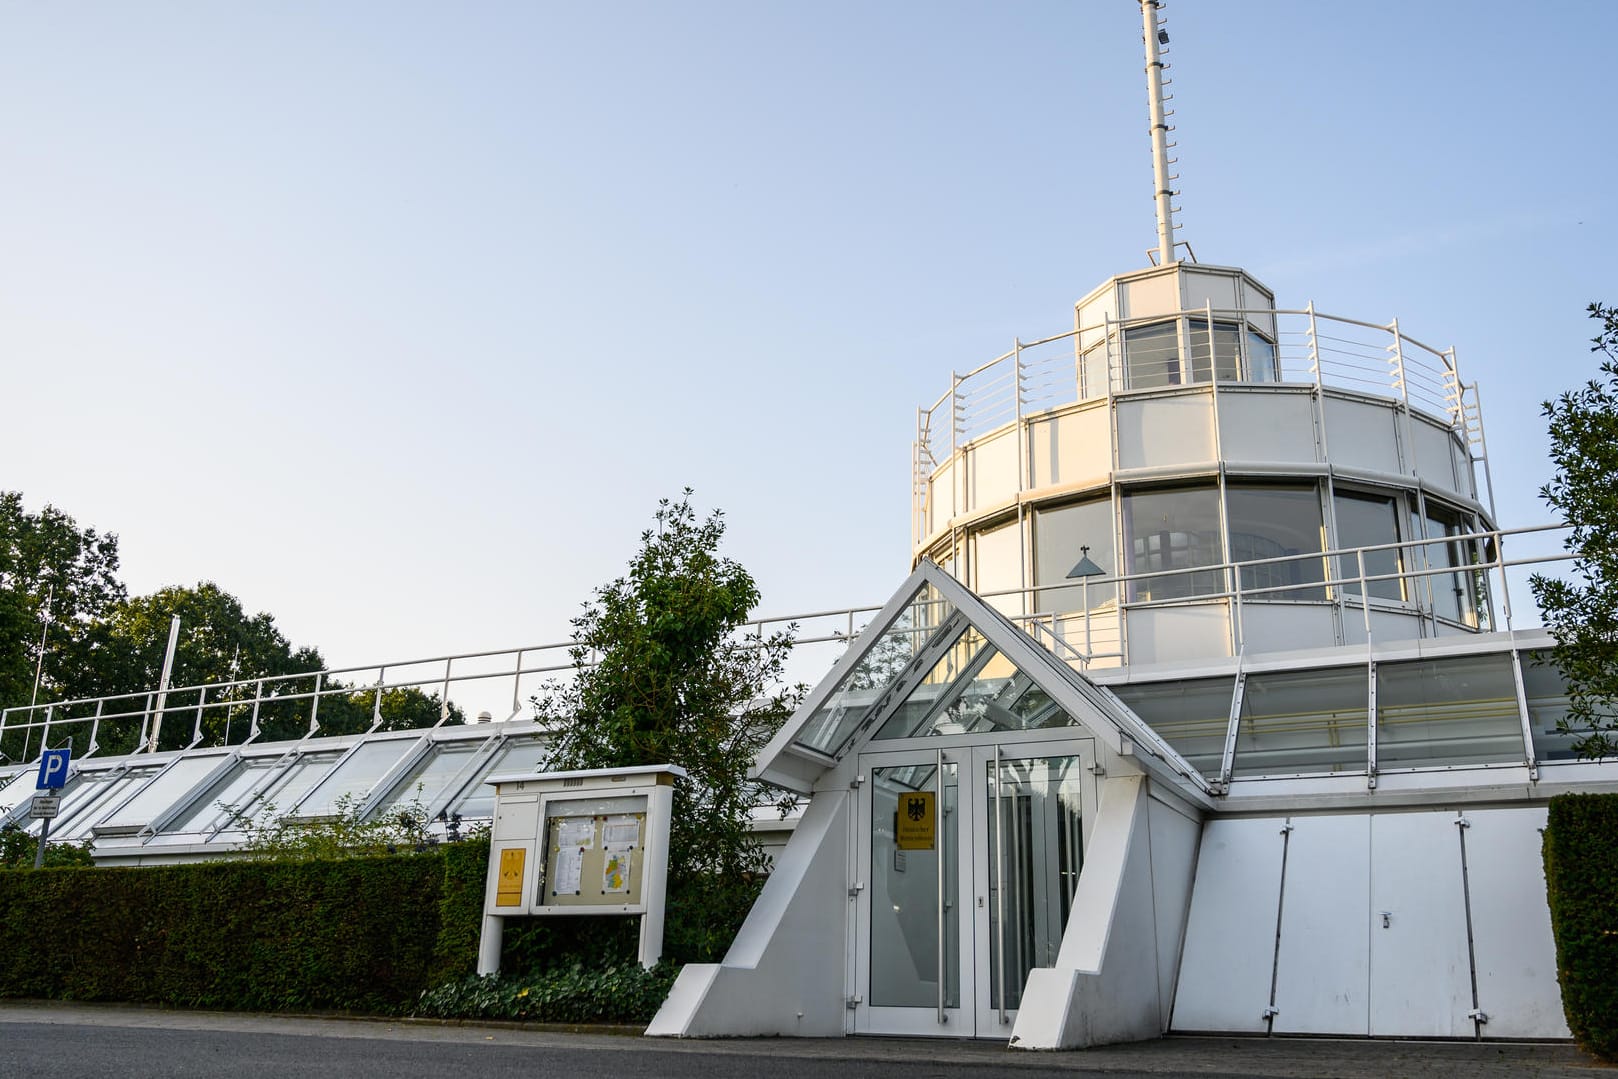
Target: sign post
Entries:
(52, 777)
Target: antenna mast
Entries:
(1156, 35)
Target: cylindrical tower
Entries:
(1191, 472)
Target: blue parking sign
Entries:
(53, 768)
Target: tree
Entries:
(220, 642)
(51, 571)
(672, 682)
(1582, 614)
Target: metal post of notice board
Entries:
(579, 843)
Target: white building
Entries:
(1197, 713)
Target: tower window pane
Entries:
(1153, 355)
(1279, 528)
(1169, 530)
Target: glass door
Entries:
(911, 938)
(1030, 850)
(990, 831)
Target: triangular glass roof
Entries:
(938, 662)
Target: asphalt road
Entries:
(50, 1041)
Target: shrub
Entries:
(1581, 875)
(574, 994)
(359, 934)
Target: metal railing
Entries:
(235, 712)
(1092, 363)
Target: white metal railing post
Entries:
(1314, 346)
(1397, 362)
(314, 705)
(443, 704)
(258, 698)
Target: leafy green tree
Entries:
(51, 570)
(663, 675)
(1582, 613)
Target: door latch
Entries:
(1387, 919)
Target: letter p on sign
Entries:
(53, 769)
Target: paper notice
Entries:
(569, 871)
(615, 872)
(576, 832)
(620, 833)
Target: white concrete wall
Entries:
(785, 972)
(1122, 933)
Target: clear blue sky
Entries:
(397, 318)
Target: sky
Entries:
(396, 319)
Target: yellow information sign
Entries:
(508, 889)
(916, 822)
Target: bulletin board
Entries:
(594, 852)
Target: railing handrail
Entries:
(213, 696)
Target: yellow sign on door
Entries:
(508, 889)
(917, 823)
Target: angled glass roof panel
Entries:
(433, 773)
(95, 793)
(214, 809)
(1303, 722)
(522, 755)
(840, 715)
(161, 793)
(17, 789)
(989, 694)
(1456, 710)
(355, 777)
(1192, 715)
(909, 719)
(297, 779)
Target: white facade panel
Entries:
(1165, 634)
(1230, 935)
(1174, 858)
(1165, 431)
(1435, 462)
(1100, 309)
(1420, 972)
(1075, 447)
(1361, 435)
(992, 467)
(1276, 627)
(1323, 963)
(941, 497)
(1272, 427)
(1202, 290)
(1158, 295)
(1511, 921)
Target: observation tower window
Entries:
(1366, 520)
(1169, 530)
(1225, 344)
(1261, 365)
(1278, 528)
(997, 567)
(1454, 595)
(1152, 354)
(1060, 536)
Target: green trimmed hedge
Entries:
(1581, 874)
(359, 934)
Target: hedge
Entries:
(359, 934)
(1581, 875)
